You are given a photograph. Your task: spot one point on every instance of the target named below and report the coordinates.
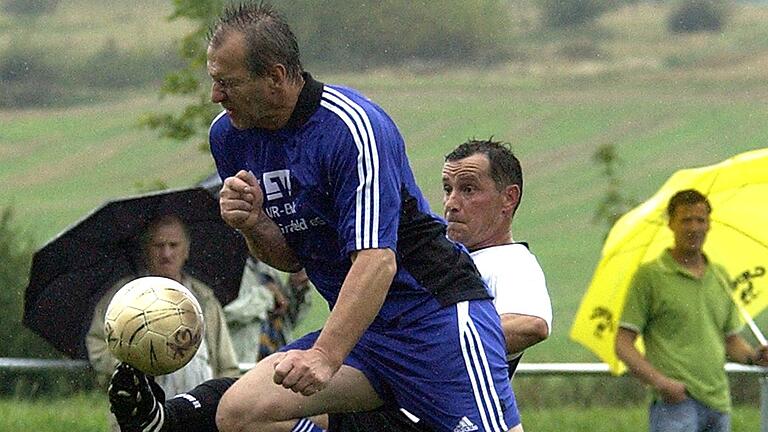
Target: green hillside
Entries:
(665, 102)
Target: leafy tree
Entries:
(188, 81)
(698, 15)
(571, 13)
(29, 8)
(614, 203)
(16, 252)
(360, 34)
(27, 75)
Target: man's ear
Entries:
(186, 252)
(277, 75)
(511, 198)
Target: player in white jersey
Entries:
(483, 185)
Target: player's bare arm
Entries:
(360, 299)
(523, 331)
(241, 202)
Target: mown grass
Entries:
(609, 419)
(87, 413)
(80, 28)
(77, 413)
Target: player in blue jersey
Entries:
(483, 185)
(316, 177)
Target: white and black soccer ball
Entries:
(154, 324)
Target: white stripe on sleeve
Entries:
(367, 193)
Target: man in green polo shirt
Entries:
(680, 304)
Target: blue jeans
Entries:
(689, 415)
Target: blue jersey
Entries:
(336, 180)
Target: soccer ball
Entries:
(154, 324)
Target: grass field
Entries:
(86, 413)
(665, 102)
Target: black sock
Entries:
(195, 410)
(384, 419)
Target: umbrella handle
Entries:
(752, 326)
(747, 318)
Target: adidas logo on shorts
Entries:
(465, 425)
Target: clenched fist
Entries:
(240, 200)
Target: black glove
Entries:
(133, 399)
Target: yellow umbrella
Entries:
(737, 188)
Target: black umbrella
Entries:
(212, 183)
(71, 272)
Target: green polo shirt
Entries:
(684, 321)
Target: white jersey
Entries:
(516, 280)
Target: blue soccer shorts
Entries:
(448, 368)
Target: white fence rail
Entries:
(539, 369)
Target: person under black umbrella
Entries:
(72, 271)
(165, 248)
